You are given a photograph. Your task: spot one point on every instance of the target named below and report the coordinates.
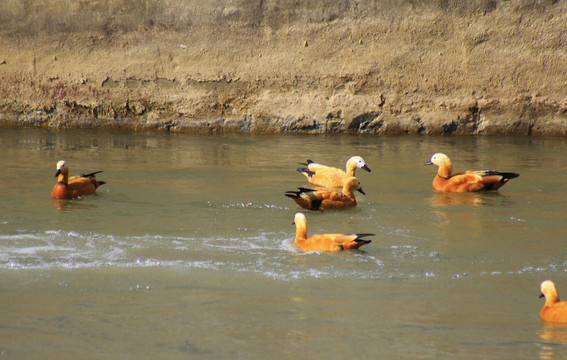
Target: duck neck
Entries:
(300, 231)
(445, 170)
(551, 299)
(63, 178)
(350, 169)
(348, 191)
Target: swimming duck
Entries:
(553, 310)
(327, 176)
(327, 199)
(70, 188)
(469, 181)
(325, 242)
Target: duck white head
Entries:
(61, 167)
(358, 162)
(548, 291)
(444, 163)
(438, 159)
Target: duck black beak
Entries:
(58, 172)
(361, 191)
(365, 167)
(428, 163)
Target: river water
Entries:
(187, 250)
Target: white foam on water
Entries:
(270, 254)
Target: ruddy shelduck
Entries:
(327, 199)
(76, 186)
(328, 176)
(553, 310)
(325, 242)
(469, 181)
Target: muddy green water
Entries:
(187, 251)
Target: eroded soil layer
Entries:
(436, 67)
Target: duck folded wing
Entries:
(354, 241)
(337, 202)
(334, 242)
(493, 180)
(471, 181)
(490, 176)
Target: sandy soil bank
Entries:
(378, 67)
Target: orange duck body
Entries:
(328, 176)
(326, 199)
(325, 242)
(554, 310)
(74, 187)
(469, 181)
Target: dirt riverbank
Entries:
(379, 67)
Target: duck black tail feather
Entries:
(306, 171)
(360, 236)
(505, 175)
(292, 194)
(509, 175)
(296, 194)
(90, 175)
(307, 163)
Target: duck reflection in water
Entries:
(65, 205)
(552, 335)
(451, 199)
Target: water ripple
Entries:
(270, 254)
